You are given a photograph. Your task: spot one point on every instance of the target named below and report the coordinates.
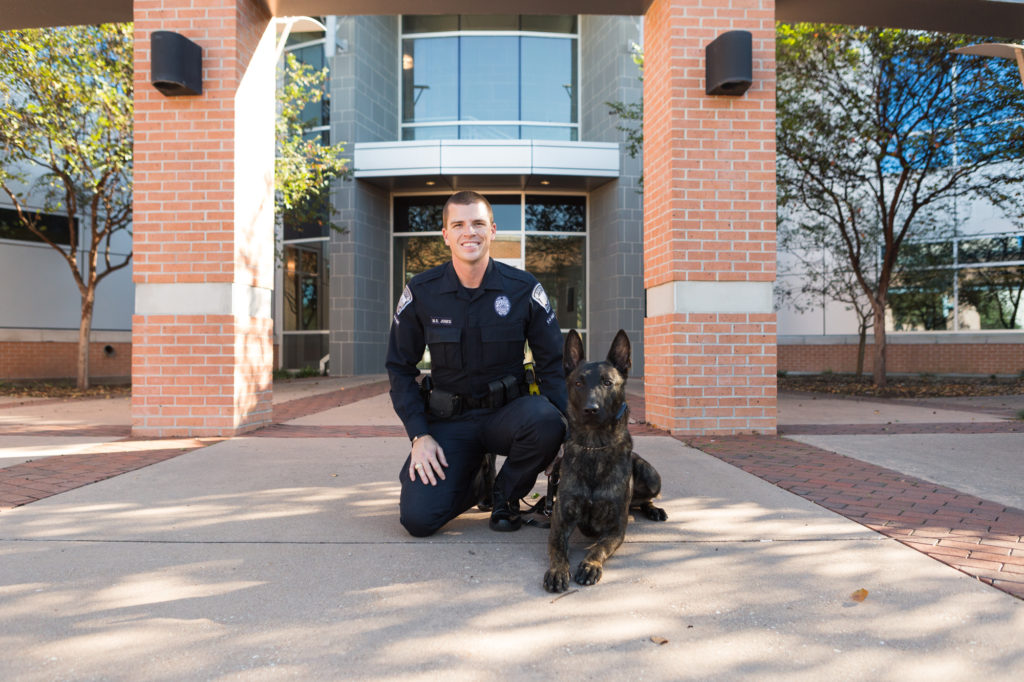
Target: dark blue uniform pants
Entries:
(528, 431)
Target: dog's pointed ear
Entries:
(620, 354)
(572, 353)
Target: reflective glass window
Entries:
(55, 227)
(430, 133)
(547, 82)
(495, 79)
(992, 298)
(430, 79)
(993, 249)
(557, 260)
(419, 214)
(489, 74)
(484, 132)
(413, 255)
(555, 214)
(556, 133)
(304, 282)
(922, 300)
(559, 264)
(507, 212)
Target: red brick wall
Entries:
(59, 360)
(933, 358)
(709, 215)
(201, 197)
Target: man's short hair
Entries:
(466, 198)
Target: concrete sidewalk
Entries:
(278, 556)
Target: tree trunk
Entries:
(861, 347)
(878, 371)
(84, 330)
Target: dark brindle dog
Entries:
(601, 478)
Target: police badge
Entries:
(502, 305)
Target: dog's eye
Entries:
(606, 382)
(578, 383)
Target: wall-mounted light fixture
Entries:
(728, 64)
(1003, 50)
(177, 64)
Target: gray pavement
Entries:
(264, 558)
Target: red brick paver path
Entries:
(983, 539)
(30, 481)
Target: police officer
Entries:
(475, 315)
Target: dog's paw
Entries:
(556, 580)
(588, 573)
(655, 513)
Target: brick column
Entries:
(709, 224)
(203, 226)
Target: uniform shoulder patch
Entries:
(403, 301)
(541, 297)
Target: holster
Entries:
(444, 404)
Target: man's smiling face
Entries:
(469, 232)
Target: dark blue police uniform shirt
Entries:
(475, 336)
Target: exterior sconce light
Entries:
(177, 64)
(728, 64)
(1003, 50)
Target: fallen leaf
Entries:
(860, 595)
(659, 640)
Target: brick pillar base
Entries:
(203, 232)
(709, 224)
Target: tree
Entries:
(304, 167)
(631, 114)
(66, 119)
(821, 277)
(876, 130)
(66, 139)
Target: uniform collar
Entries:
(492, 278)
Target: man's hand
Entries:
(427, 459)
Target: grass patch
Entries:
(62, 389)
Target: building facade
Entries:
(513, 106)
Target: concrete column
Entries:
(709, 232)
(203, 226)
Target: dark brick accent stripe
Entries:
(34, 403)
(354, 431)
(981, 538)
(303, 407)
(113, 431)
(897, 428)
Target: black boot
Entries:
(505, 517)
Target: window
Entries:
(303, 315)
(55, 227)
(543, 234)
(489, 77)
(966, 283)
